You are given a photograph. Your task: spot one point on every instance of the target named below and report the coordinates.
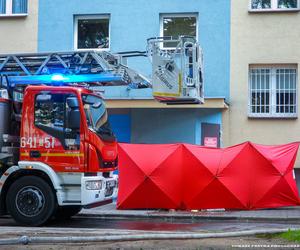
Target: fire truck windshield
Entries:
(96, 115)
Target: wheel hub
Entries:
(30, 201)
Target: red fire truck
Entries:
(58, 152)
(67, 154)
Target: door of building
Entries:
(121, 125)
(210, 135)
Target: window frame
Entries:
(274, 7)
(273, 89)
(174, 15)
(9, 10)
(51, 93)
(87, 17)
(52, 130)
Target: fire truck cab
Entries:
(67, 155)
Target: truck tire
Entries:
(66, 212)
(31, 201)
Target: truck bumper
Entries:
(97, 189)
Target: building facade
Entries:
(251, 57)
(265, 58)
(18, 26)
(125, 25)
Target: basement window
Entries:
(13, 8)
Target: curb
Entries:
(195, 217)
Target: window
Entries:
(274, 5)
(261, 4)
(49, 111)
(273, 92)
(13, 7)
(58, 115)
(178, 25)
(91, 32)
(96, 115)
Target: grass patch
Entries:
(291, 235)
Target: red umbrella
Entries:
(246, 176)
(282, 190)
(212, 181)
(150, 176)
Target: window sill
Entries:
(266, 116)
(272, 10)
(13, 15)
(89, 50)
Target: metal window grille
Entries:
(19, 6)
(273, 92)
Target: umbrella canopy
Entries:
(149, 176)
(280, 188)
(212, 179)
(246, 176)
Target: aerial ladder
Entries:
(58, 152)
(177, 73)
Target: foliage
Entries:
(291, 235)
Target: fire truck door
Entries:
(56, 137)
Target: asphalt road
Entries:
(160, 225)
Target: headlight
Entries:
(93, 185)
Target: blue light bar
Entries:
(58, 79)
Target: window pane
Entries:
(261, 4)
(286, 90)
(260, 90)
(49, 110)
(54, 116)
(19, 6)
(93, 34)
(286, 4)
(179, 26)
(2, 6)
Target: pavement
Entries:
(278, 214)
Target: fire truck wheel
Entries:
(66, 212)
(31, 201)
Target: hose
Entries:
(136, 237)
